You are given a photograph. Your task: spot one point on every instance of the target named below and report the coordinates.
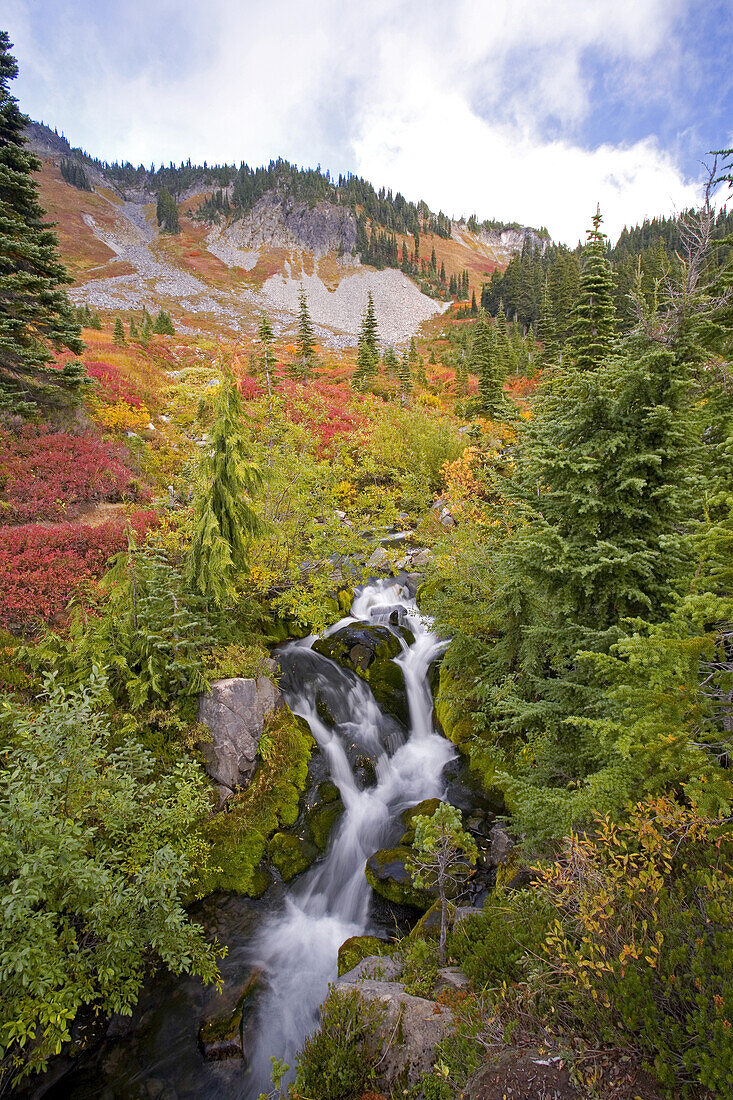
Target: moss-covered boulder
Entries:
(321, 820)
(291, 854)
(429, 924)
(356, 948)
(426, 808)
(369, 651)
(221, 1035)
(386, 872)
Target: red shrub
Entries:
(45, 474)
(113, 386)
(41, 567)
(250, 388)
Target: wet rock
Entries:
(386, 872)
(383, 968)
(322, 817)
(234, 711)
(291, 854)
(380, 560)
(356, 948)
(463, 912)
(221, 1035)
(500, 845)
(369, 651)
(408, 1034)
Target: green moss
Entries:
(426, 808)
(454, 721)
(291, 854)
(345, 598)
(370, 651)
(356, 948)
(321, 820)
(386, 872)
(238, 835)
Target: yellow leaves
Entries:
(122, 417)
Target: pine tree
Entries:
(163, 325)
(390, 362)
(404, 374)
(133, 329)
(224, 519)
(367, 358)
(548, 329)
(118, 333)
(35, 316)
(167, 212)
(594, 319)
(442, 272)
(474, 307)
(433, 262)
(95, 322)
(306, 339)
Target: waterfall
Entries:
(298, 948)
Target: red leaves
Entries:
(113, 386)
(47, 475)
(41, 567)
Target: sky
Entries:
(521, 110)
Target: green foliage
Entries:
(36, 319)
(95, 854)
(504, 943)
(118, 333)
(163, 325)
(367, 359)
(73, 172)
(421, 960)
(338, 1061)
(444, 854)
(224, 519)
(594, 318)
(166, 212)
(305, 353)
(149, 636)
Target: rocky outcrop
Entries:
(410, 1030)
(369, 651)
(386, 872)
(383, 968)
(277, 222)
(234, 711)
(356, 948)
(221, 1035)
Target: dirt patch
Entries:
(523, 1074)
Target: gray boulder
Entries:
(385, 968)
(408, 1034)
(500, 845)
(234, 711)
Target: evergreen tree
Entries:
(118, 333)
(442, 272)
(133, 329)
(167, 212)
(224, 518)
(548, 329)
(404, 374)
(35, 316)
(95, 321)
(267, 339)
(485, 362)
(306, 339)
(163, 324)
(367, 358)
(433, 262)
(594, 320)
(474, 307)
(390, 362)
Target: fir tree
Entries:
(548, 329)
(95, 321)
(163, 324)
(390, 362)
(404, 374)
(267, 339)
(594, 319)
(474, 307)
(367, 358)
(35, 316)
(167, 212)
(118, 333)
(486, 362)
(305, 339)
(133, 329)
(224, 518)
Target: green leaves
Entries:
(94, 855)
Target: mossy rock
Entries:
(369, 651)
(328, 792)
(291, 854)
(428, 927)
(220, 1036)
(386, 872)
(356, 948)
(457, 729)
(426, 808)
(321, 820)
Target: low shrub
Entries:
(503, 943)
(338, 1061)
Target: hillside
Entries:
(251, 242)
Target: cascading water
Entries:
(293, 934)
(298, 949)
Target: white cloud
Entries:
(450, 102)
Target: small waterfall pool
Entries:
(293, 933)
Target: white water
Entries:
(298, 948)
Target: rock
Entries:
(380, 560)
(356, 948)
(500, 845)
(383, 968)
(450, 977)
(387, 873)
(410, 1030)
(420, 559)
(221, 1035)
(426, 808)
(234, 711)
(369, 651)
(463, 912)
(291, 854)
(321, 820)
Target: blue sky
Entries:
(527, 110)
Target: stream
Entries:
(293, 933)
